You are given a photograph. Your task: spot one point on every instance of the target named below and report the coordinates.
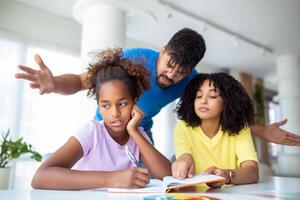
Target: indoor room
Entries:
(255, 42)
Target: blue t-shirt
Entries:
(153, 100)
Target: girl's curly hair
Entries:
(237, 111)
(111, 65)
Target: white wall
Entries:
(44, 29)
(35, 26)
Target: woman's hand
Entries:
(183, 167)
(129, 178)
(219, 172)
(137, 116)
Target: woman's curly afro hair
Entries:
(237, 112)
(111, 65)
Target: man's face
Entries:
(168, 74)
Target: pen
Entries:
(131, 156)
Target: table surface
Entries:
(285, 188)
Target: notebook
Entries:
(169, 184)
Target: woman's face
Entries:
(115, 105)
(208, 103)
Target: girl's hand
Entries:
(129, 178)
(219, 172)
(137, 116)
(183, 167)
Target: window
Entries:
(275, 115)
(45, 121)
(9, 57)
(49, 120)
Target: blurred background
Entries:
(255, 41)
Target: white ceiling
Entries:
(256, 24)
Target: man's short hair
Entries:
(186, 48)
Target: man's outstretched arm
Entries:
(43, 79)
(273, 133)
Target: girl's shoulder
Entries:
(183, 127)
(90, 129)
(181, 123)
(91, 125)
(244, 133)
(245, 130)
(86, 135)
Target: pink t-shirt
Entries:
(101, 152)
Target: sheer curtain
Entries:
(45, 121)
(9, 57)
(49, 119)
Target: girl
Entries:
(212, 135)
(95, 156)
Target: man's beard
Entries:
(163, 85)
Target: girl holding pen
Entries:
(95, 156)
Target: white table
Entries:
(278, 184)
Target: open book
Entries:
(169, 183)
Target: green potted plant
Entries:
(9, 150)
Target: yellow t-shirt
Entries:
(222, 151)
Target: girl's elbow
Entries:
(255, 179)
(255, 176)
(36, 180)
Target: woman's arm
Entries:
(157, 163)
(247, 173)
(56, 173)
(183, 167)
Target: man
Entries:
(171, 69)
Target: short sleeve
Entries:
(85, 136)
(141, 130)
(245, 149)
(181, 139)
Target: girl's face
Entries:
(208, 103)
(115, 105)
